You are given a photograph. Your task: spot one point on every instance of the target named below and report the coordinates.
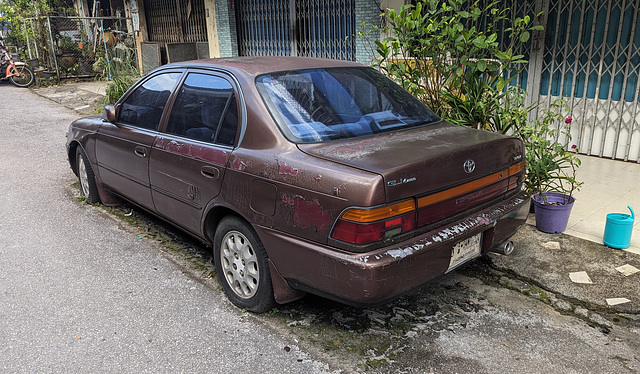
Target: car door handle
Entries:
(210, 172)
(140, 151)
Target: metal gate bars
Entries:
(312, 28)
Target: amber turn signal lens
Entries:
(515, 169)
(377, 214)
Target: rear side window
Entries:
(318, 105)
(143, 108)
(205, 109)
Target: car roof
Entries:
(257, 65)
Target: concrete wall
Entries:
(367, 15)
(227, 31)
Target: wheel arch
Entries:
(71, 154)
(212, 219)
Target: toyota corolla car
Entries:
(303, 175)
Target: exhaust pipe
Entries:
(505, 248)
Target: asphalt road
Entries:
(80, 293)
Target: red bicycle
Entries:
(17, 72)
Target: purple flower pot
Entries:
(552, 217)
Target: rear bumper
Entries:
(385, 273)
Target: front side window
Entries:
(144, 107)
(205, 109)
(317, 105)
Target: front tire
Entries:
(242, 266)
(25, 77)
(86, 177)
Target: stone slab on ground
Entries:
(533, 260)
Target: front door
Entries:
(123, 148)
(188, 160)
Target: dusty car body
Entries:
(359, 202)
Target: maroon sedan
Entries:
(303, 175)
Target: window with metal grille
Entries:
(311, 28)
(176, 21)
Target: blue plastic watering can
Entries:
(617, 231)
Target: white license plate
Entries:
(464, 251)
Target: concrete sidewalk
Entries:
(548, 261)
(609, 187)
(84, 97)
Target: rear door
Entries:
(123, 147)
(188, 160)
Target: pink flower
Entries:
(568, 120)
(574, 146)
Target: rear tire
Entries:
(242, 266)
(25, 77)
(86, 177)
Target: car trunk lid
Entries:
(426, 160)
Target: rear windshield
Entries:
(317, 105)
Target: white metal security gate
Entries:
(311, 28)
(591, 57)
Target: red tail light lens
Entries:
(359, 233)
(364, 226)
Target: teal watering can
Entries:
(617, 231)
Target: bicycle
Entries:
(17, 72)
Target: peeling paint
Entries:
(159, 143)
(308, 213)
(359, 149)
(400, 253)
(238, 164)
(286, 169)
(201, 152)
(336, 190)
(174, 146)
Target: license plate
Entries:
(465, 250)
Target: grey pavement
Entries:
(546, 260)
(72, 304)
(533, 259)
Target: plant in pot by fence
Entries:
(552, 163)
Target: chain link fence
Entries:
(78, 46)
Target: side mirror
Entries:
(110, 113)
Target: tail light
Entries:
(365, 226)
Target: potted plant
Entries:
(551, 167)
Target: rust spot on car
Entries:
(200, 152)
(286, 169)
(336, 190)
(159, 143)
(308, 213)
(213, 155)
(238, 164)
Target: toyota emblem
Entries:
(469, 166)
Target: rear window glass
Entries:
(317, 105)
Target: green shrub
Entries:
(436, 46)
